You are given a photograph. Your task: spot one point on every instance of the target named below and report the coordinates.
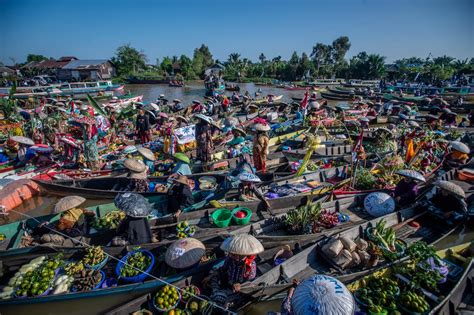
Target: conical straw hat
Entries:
(451, 188)
(22, 140)
(134, 165)
(184, 253)
(68, 202)
(411, 174)
(147, 153)
(242, 244)
(459, 146)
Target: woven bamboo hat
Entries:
(451, 188)
(68, 202)
(459, 146)
(184, 253)
(411, 174)
(182, 179)
(242, 244)
(134, 165)
(22, 140)
(147, 153)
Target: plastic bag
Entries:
(134, 205)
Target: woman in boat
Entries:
(43, 155)
(204, 138)
(180, 195)
(138, 177)
(148, 159)
(239, 267)
(142, 126)
(260, 145)
(90, 138)
(135, 229)
(177, 105)
(450, 199)
(181, 121)
(74, 221)
(182, 165)
(459, 154)
(235, 146)
(23, 153)
(248, 191)
(406, 190)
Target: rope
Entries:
(125, 263)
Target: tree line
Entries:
(324, 61)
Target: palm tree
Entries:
(262, 58)
(375, 66)
(234, 58)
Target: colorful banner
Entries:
(186, 134)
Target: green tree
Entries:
(262, 58)
(129, 60)
(340, 47)
(33, 57)
(167, 65)
(321, 55)
(186, 65)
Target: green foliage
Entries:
(365, 66)
(128, 60)
(33, 57)
(9, 104)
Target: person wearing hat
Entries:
(137, 175)
(142, 127)
(406, 190)
(448, 117)
(239, 267)
(180, 195)
(459, 154)
(182, 165)
(90, 138)
(203, 131)
(260, 145)
(74, 220)
(235, 146)
(148, 159)
(23, 152)
(248, 191)
(450, 199)
(177, 105)
(181, 121)
(135, 228)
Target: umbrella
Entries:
(460, 147)
(242, 244)
(411, 174)
(22, 140)
(451, 188)
(134, 205)
(184, 253)
(147, 153)
(134, 165)
(67, 203)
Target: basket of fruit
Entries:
(413, 303)
(241, 215)
(189, 291)
(135, 266)
(109, 221)
(199, 305)
(183, 230)
(39, 280)
(166, 299)
(95, 258)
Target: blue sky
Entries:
(93, 29)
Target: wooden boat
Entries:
(451, 293)
(311, 260)
(328, 150)
(107, 187)
(336, 97)
(265, 100)
(44, 304)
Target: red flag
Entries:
(304, 102)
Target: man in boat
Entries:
(142, 126)
(180, 195)
(450, 200)
(239, 267)
(260, 145)
(406, 190)
(138, 177)
(135, 229)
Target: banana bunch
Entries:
(73, 268)
(94, 255)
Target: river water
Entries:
(194, 90)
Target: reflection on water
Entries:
(195, 90)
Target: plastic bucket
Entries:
(99, 265)
(244, 220)
(221, 217)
